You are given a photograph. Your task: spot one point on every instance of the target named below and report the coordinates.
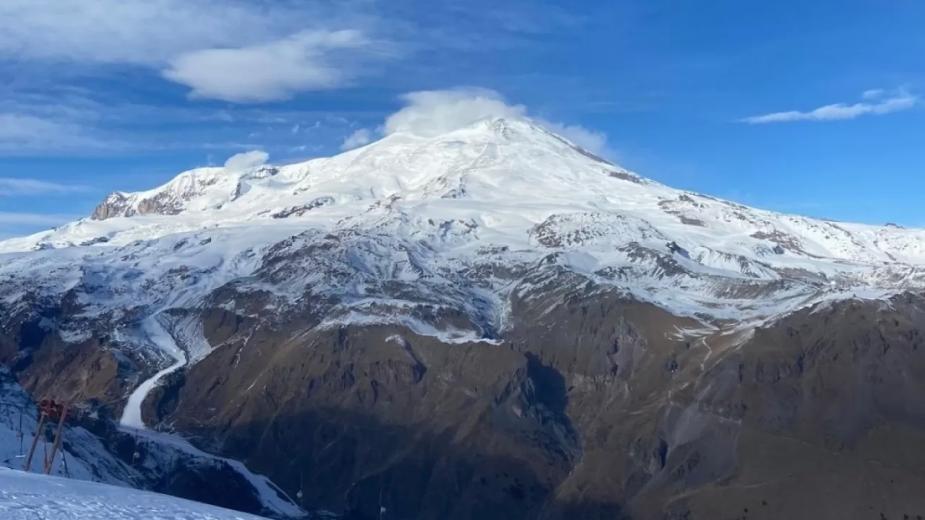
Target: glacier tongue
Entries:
(131, 415)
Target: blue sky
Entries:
(805, 107)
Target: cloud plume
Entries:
(357, 139)
(875, 102)
(434, 112)
(246, 160)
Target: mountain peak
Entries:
(452, 164)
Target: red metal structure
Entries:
(49, 410)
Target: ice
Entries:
(131, 415)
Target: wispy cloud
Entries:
(308, 60)
(591, 140)
(875, 102)
(10, 219)
(140, 33)
(248, 51)
(246, 160)
(25, 133)
(435, 112)
(237, 51)
(16, 224)
(358, 138)
(20, 186)
(81, 123)
(74, 67)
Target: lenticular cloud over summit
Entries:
(429, 113)
(246, 160)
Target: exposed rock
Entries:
(298, 211)
(114, 205)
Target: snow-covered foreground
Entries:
(29, 496)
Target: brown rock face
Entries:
(593, 407)
(119, 205)
(590, 406)
(48, 367)
(115, 205)
(363, 414)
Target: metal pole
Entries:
(60, 433)
(20, 433)
(35, 441)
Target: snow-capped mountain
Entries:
(488, 295)
(442, 213)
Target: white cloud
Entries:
(357, 139)
(24, 133)
(591, 140)
(246, 160)
(8, 218)
(138, 32)
(308, 60)
(21, 186)
(230, 50)
(14, 224)
(24, 128)
(876, 102)
(435, 112)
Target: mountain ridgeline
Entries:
(489, 323)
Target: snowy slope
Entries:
(435, 233)
(28, 496)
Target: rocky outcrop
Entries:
(298, 211)
(175, 196)
(122, 205)
(114, 205)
